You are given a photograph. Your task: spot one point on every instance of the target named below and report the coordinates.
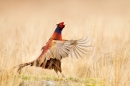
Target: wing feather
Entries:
(61, 49)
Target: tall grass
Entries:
(24, 31)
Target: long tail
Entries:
(25, 64)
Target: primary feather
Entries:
(61, 49)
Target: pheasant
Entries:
(56, 49)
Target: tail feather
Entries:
(23, 65)
(47, 64)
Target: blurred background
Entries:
(80, 16)
(26, 25)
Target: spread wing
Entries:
(58, 50)
(61, 49)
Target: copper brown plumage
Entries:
(56, 49)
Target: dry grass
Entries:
(25, 26)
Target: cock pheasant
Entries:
(56, 49)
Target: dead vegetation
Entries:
(25, 27)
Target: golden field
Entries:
(25, 26)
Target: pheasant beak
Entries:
(61, 25)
